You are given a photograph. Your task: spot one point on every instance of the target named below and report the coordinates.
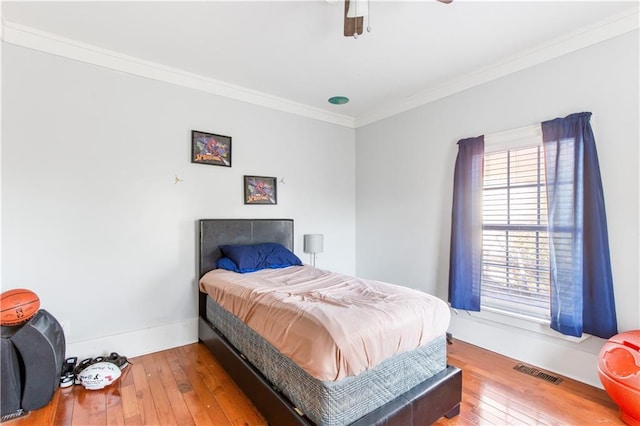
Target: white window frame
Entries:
(522, 138)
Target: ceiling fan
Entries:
(355, 12)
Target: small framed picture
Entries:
(207, 148)
(260, 190)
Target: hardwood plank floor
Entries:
(187, 386)
(494, 393)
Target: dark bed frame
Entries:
(438, 396)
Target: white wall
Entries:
(404, 185)
(93, 221)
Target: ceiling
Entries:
(294, 52)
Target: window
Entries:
(499, 213)
(515, 249)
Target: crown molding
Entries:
(587, 36)
(32, 38)
(50, 43)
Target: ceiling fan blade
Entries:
(351, 25)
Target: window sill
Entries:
(492, 315)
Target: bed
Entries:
(415, 387)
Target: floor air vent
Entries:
(537, 373)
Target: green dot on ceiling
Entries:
(338, 100)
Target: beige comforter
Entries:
(331, 325)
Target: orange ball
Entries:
(619, 371)
(18, 306)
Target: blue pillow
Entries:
(228, 264)
(250, 258)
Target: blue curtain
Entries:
(465, 265)
(582, 298)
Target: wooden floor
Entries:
(186, 386)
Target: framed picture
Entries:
(260, 190)
(207, 148)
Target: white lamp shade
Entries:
(313, 243)
(358, 8)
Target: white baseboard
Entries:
(137, 342)
(577, 360)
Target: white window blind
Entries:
(515, 253)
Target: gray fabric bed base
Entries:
(326, 402)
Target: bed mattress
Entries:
(330, 324)
(331, 402)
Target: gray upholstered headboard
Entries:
(214, 232)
